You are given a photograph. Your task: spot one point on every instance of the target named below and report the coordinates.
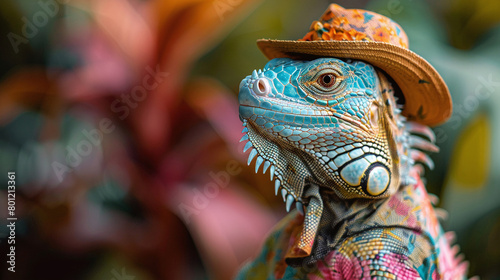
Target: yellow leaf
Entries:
(471, 157)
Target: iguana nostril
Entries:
(261, 86)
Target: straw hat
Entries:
(376, 39)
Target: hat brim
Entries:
(427, 99)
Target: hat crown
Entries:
(339, 24)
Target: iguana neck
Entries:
(329, 220)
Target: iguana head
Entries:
(330, 122)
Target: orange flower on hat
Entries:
(403, 43)
(337, 35)
(382, 34)
(355, 35)
(358, 16)
(326, 36)
(310, 36)
(307, 37)
(385, 21)
(338, 21)
(327, 16)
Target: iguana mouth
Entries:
(301, 112)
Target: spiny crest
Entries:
(416, 139)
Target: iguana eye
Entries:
(324, 81)
(327, 80)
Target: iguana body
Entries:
(331, 134)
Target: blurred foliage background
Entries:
(120, 120)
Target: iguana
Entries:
(331, 133)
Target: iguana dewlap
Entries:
(331, 135)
